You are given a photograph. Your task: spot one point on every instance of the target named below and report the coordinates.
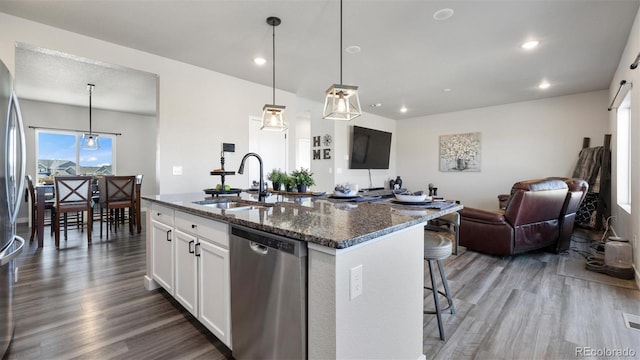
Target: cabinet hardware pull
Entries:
(197, 248)
(191, 251)
(168, 235)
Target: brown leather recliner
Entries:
(578, 189)
(530, 221)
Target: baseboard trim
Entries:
(150, 284)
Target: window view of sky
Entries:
(57, 146)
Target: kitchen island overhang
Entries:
(384, 318)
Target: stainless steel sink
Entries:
(227, 205)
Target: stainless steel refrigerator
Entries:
(12, 179)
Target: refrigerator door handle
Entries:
(5, 259)
(19, 151)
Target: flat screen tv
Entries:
(370, 149)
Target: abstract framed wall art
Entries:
(460, 152)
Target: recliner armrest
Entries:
(482, 215)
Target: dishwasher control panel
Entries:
(280, 243)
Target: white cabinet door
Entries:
(186, 280)
(162, 254)
(215, 307)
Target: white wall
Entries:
(628, 225)
(519, 141)
(198, 109)
(329, 172)
(135, 151)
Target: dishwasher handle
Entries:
(257, 248)
(261, 241)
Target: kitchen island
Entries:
(364, 266)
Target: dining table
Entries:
(42, 192)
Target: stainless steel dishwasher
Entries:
(268, 295)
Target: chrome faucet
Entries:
(262, 193)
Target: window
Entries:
(623, 153)
(59, 153)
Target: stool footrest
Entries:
(449, 301)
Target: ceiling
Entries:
(53, 76)
(407, 58)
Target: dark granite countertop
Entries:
(316, 219)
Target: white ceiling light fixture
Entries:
(259, 61)
(353, 49)
(403, 109)
(272, 114)
(544, 85)
(443, 14)
(341, 102)
(90, 140)
(530, 44)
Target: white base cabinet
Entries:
(162, 250)
(215, 291)
(186, 290)
(202, 280)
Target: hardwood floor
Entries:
(89, 302)
(519, 307)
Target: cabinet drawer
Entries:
(162, 214)
(214, 231)
(187, 223)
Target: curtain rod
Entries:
(622, 84)
(75, 130)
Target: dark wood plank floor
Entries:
(89, 302)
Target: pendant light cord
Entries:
(273, 27)
(90, 92)
(340, 42)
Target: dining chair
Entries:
(73, 194)
(48, 205)
(116, 193)
(136, 214)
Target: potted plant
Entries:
(277, 178)
(290, 183)
(303, 178)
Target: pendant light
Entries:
(272, 114)
(342, 101)
(90, 140)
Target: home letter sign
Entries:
(325, 153)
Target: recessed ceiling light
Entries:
(376, 105)
(443, 14)
(530, 44)
(353, 49)
(544, 85)
(403, 109)
(447, 90)
(260, 61)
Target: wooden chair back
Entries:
(73, 191)
(117, 189)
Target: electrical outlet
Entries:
(177, 170)
(356, 282)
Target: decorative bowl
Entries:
(409, 197)
(346, 190)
